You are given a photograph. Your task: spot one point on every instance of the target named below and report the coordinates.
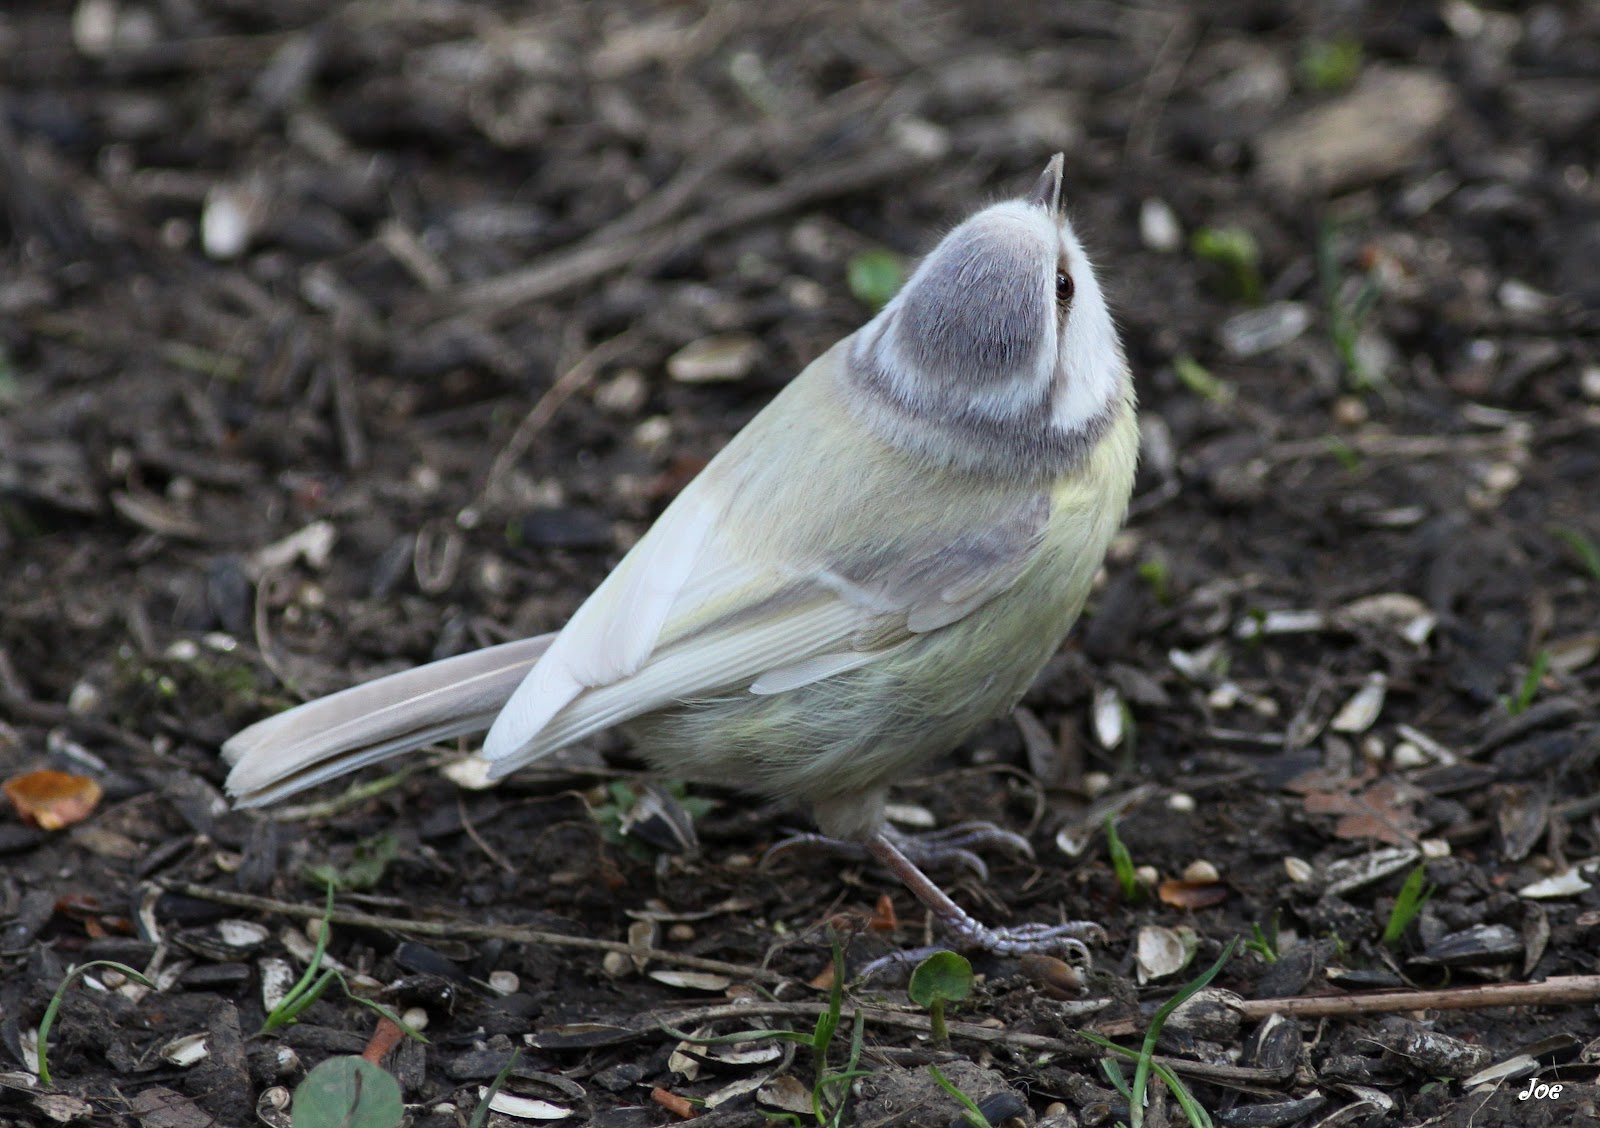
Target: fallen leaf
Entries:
(823, 980)
(1384, 809)
(51, 800)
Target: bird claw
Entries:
(838, 847)
(934, 849)
(1069, 939)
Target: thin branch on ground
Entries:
(573, 380)
(1559, 991)
(1380, 445)
(607, 250)
(461, 929)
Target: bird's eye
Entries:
(1063, 289)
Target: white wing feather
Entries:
(611, 635)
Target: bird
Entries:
(881, 560)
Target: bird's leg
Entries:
(951, 846)
(969, 932)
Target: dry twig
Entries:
(1560, 991)
(457, 929)
(619, 245)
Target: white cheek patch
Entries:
(1090, 355)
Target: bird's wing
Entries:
(690, 614)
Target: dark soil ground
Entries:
(339, 336)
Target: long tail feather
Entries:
(326, 738)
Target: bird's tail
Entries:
(326, 738)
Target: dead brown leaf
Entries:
(1364, 807)
(51, 800)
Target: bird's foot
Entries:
(1070, 939)
(952, 846)
(967, 931)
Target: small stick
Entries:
(672, 1103)
(608, 250)
(570, 382)
(511, 933)
(1559, 991)
(385, 1038)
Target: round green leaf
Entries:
(874, 277)
(942, 976)
(348, 1092)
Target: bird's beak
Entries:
(1047, 192)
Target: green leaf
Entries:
(875, 277)
(1413, 895)
(1235, 250)
(1330, 64)
(1199, 380)
(1122, 861)
(1581, 546)
(1529, 687)
(942, 977)
(348, 1092)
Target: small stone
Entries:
(232, 217)
(1407, 755)
(805, 294)
(1374, 131)
(1159, 228)
(1501, 478)
(183, 650)
(653, 432)
(623, 394)
(920, 137)
(94, 28)
(1349, 411)
(1201, 870)
(504, 982)
(1181, 802)
(84, 699)
(722, 358)
(616, 965)
(1464, 19)
(1518, 297)
(1108, 715)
